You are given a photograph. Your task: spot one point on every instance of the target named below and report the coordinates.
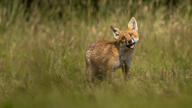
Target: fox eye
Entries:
(131, 34)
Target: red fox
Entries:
(103, 57)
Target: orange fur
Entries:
(103, 57)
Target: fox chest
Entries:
(119, 60)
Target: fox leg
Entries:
(99, 75)
(93, 74)
(127, 73)
(89, 71)
(125, 70)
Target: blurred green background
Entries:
(42, 46)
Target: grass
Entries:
(42, 61)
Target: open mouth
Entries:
(131, 46)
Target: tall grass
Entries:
(43, 45)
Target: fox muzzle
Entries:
(129, 42)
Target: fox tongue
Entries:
(132, 46)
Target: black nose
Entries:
(129, 41)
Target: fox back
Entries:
(104, 56)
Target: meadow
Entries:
(42, 47)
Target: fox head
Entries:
(128, 37)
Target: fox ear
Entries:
(115, 32)
(133, 24)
